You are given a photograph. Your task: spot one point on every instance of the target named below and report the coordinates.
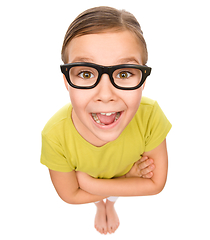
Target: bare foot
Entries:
(100, 218)
(112, 217)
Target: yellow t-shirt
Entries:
(64, 149)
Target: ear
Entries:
(65, 82)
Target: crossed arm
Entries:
(79, 188)
(132, 186)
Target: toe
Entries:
(99, 229)
(104, 231)
(115, 227)
(110, 230)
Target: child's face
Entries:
(105, 49)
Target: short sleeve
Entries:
(157, 128)
(53, 157)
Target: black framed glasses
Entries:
(84, 75)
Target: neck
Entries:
(85, 132)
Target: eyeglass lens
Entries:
(84, 76)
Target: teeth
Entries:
(95, 117)
(117, 116)
(108, 114)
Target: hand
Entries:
(83, 179)
(142, 168)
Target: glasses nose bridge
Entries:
(106, 70)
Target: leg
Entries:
(112, 217)
(100, 218)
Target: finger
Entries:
(145, 164)
(140, 160)
(147, 170)
(148, 175)
(144, 158)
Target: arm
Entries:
(67, 187)
(132, 186)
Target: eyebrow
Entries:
(82, 59)
(129, 60)
(120, 61)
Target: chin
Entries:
(108, 137)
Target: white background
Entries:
(32, 90)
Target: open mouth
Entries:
(106, 118)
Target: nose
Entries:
(105, 89)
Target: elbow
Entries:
(73, 200)
(158, 191)
(158, 188)
(66, 199)
(151, 188)
(70, 199)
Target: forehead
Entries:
(105, 48)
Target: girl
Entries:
(110, 141)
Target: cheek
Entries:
(79, 99)
(133, 99)
(74, 96)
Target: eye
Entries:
(86, 75)
(124, 75)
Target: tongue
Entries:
(106, 119)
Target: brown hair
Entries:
(100, 19)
